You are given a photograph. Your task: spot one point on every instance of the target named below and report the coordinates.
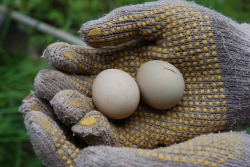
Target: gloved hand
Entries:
(211, 51)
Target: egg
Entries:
(161, 84)
(115, 93)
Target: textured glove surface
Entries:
(56, 146)
(201, 43)
(210, 50)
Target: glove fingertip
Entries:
(70, 106)
(33, 103)
(61, 57)
(49, 141)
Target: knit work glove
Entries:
(212, 53)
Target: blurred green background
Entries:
(19, 67)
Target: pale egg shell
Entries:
(115, 93)
(161, 84)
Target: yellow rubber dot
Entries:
(180, 22)
(176, 159)
(118, 29)
(64, 158)
(70, 151)
(120, 19)
(161, 156)
(106, 33)
(206, 49)
(168, 158)
(154, 154)
(204, 36)
(222, 160)
(194, 25)
(173, 18)
(88, 121)
(69, 162)
(134, 26)
(202, 30)
(188, 26)
(188, 32)
(56, 139)
(191, 160)
(155, 11)
(214, 164)
(126, 18)
(58, 145)
(109, 24)
(206, 163)
(167, 13)
(94, 32)
(166, 7)
(60, 152)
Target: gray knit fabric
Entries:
(54, 147)
(70, 106)
(211, 51)
(223, 149)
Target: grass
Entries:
(17, 71)
(237, 10)
(16, 78)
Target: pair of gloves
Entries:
(211, 51)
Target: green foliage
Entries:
(17, 74)
(247, 129)
(237, 10)
(18, 71)
(66, 15)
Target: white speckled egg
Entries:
(115, 93)
(161, 84)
